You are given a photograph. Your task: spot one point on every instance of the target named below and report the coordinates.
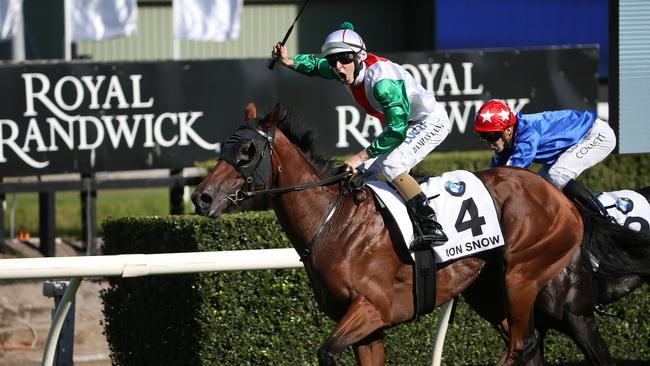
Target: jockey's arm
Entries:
(391, 96)
(311, 65)
(524, 151)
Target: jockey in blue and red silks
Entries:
(565, 142)
(414, 123)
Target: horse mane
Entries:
(305, 141)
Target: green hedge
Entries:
(270, 317)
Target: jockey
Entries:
(566, 142)
(414, 123)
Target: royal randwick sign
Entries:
(86, 117)
(116, 120)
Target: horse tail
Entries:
(617, 250)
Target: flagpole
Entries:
(67, 29)
(176, 47)
(18, 40)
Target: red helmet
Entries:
(494, 116)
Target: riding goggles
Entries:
(344, 58)
(491, 137)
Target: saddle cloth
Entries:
(629, 208)
(463, 206)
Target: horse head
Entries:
(245, 164)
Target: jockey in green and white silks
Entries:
(414, 123)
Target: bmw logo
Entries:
(455, 189)
(624, 204)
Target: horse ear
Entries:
(273, 118)
(250, 112)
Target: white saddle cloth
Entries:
(629, 208)
(464, 208)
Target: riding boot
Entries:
(580, 194)
(425, 216)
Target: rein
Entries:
(303, 252)
(241, 195)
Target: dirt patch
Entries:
(26, 314)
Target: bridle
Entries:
(256, 170)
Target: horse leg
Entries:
(361, 320)
(370, 351)
(583, 330)
(524, 347)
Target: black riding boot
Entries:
(426, 219)
(580, 194)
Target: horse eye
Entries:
(245, 152)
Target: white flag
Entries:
(95, 20)
(207, 20)
(9, 12)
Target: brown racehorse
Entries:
(567, 302)
(351, 258)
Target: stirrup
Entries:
(420, 243)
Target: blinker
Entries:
(257, 169)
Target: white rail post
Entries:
(65, 345)
(441, 332)
(57, 321)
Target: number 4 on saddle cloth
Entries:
(463, 207)
(467, 214)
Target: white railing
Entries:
(136, 265)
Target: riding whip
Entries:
(284, 40)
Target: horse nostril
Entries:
(205, 198)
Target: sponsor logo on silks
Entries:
(455, 189)
(624, 204)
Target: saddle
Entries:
(465, 210)
(423, 262)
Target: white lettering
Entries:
(34, 133)
(160, 139)
(78, 91)
(30, 95)
(122, 130)
(57, 129)
(11, 143)
(468, 90)
(186, 130)
(94, 89)
(83, 134)
(137, 98)
(148, 129)
(448, 78)
(351, 127)
(115, 91)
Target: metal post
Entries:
(441, 332)
(63, 293)
(2, 219)
(46, 223)
(176, 193)
(89, 214)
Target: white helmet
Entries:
(344, 39)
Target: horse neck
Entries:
(300, 213)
